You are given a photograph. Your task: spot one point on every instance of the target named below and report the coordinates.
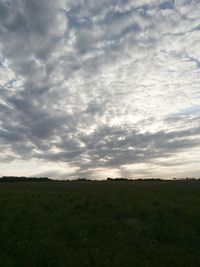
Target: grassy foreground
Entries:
(100, 224)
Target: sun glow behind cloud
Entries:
(99, 89)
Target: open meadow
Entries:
(100, 224)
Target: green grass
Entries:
(100, 224)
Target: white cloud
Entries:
(76, 70)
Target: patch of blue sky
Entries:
(3, 62)
(167, 4)
(192, 59)
(193, 110)
(197, 28)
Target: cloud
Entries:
(100, 87)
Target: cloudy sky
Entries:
(98, 89)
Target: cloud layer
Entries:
(100, 89)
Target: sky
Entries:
(98, 89)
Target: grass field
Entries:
(103, 224)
